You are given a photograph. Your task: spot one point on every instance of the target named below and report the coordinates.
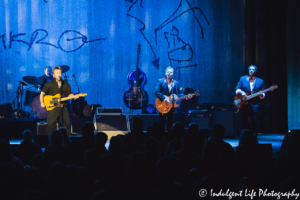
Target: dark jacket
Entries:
(244, 85)
(162, 89)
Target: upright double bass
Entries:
(136, 97)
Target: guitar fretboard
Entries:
(258, 93)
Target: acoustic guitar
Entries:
(164, 107)
(241, 100)
(54, 101)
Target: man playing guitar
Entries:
(246, 86)
(57, 86)
(165, 88)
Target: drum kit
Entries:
(32, 95)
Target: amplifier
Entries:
(110, 122)
(226, 117)
(41, 128)
(117, 110)
(204, 121)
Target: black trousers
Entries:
(64, 119)
(247, 113)
(170, 116)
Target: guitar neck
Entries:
(258, 93)
(183, 97)
(66, 98)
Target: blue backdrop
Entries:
(98, 40)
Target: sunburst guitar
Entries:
(164, 107)
(52, 102)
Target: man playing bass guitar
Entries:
(165, 88)
(249, 85)
(57, 86)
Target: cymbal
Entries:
(33, 80)
(64, 68)
(24, 84)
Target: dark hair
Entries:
(27, 135)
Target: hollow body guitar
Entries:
(54, 101)
(164, 107)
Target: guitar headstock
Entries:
(82, 94)
(197, 93)
(273, 87)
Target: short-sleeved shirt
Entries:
(52, 88)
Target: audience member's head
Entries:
(56, 138)
(101, 195)
(151, 145)
(218, 131)
(188, 142)
(136, 160)
(249, 141)
(101, 139)
(116, 144)
(178, 130)
(193, 128)
(212, 149)
(5, 151)
(88, 129)
(27, 136)
(169, 168)
(59, 182)
(137, 124)
(64, 132)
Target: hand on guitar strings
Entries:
(261, 96)
(74, 96)
(189, 96)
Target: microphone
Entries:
(74, 74)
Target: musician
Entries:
(57, 85)
(47, 77)
(250, 84)
(165, 87)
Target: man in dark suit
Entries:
(250, 84)
(165, 88)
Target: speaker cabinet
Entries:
(226, 117)
(148, 120)
(41, 128)
(110, 122)
(202, 120)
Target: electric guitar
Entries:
(54, 101)
(241, 100)
(164, 107)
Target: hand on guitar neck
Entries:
(74, 96)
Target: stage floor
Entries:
(263, 138)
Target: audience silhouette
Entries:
(144, 165)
